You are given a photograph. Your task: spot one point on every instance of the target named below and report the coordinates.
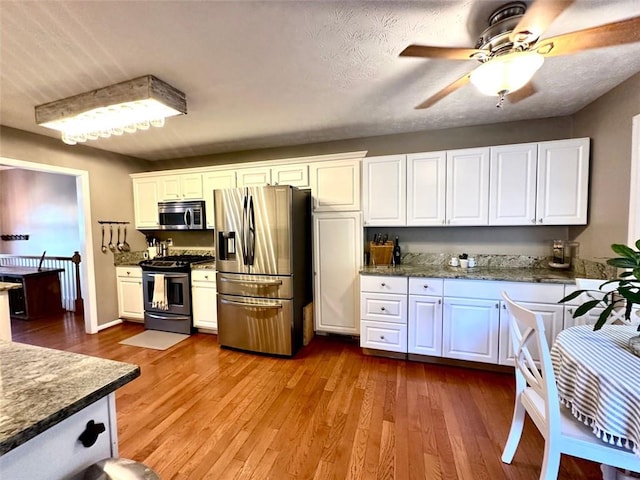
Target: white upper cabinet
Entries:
(146, 194)
(211, 181)
(512, 195)
(187, 186)
(426, 188)
(335, 185)
(295, 175)
(468, 187)
(254, 177)
(384, 193)
(563, 181)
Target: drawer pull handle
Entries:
(425, 286)
(382, 309)
(383, 284)
(90, 435)
(381, 337)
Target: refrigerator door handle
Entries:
(252, 305)
(251, 233)
(250, 282)
(243, 234)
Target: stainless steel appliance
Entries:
(167, 305)
(263, 259)
(181, 215)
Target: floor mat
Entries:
(155, 339)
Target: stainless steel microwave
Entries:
(181, 215)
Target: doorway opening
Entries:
(87, 275)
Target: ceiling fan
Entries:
(510, 49)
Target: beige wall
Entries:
(608, 121)
(111, 196)
(42, 205)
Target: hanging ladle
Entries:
(119, 244)
(104, 247)
(112, 247)
(125, 246)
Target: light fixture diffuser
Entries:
(506, 73)
(127, 107)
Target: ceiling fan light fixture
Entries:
(506, 73)
(124, 107)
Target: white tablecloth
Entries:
(599, 379)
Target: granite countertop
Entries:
(9, 286)
(538, 275)
(40, 387)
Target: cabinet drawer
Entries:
(426, 286)
(518, 291)
(383, 284)
(203, 276)
(383, 336)
(384, 307)
(129, 272)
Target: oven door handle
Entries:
(251, 305)
(165, 317)
(249, 282)
(169, 275)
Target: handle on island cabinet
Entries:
(90, 435)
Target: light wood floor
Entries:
(202, 412)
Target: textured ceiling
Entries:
(277, 73)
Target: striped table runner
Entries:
(599, 379)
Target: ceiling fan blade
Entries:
(537, 19)
(610, 34)
(522, 93)
(424, 51)
(461, 82)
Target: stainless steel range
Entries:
(166, 285)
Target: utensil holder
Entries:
(380, 254)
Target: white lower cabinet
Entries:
(425, 316)
(203, 299)
(383, 316)
(130, 296)
(57, 453)
(470, 329)
(452, 318)
(337, 257)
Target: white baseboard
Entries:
(110, 324)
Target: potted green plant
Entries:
(626, 293)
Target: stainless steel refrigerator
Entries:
(263, 259)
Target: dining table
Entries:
(598, 379)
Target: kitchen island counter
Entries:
(41, 387)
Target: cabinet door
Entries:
(335, 185)
(254, 177)
(468, 187)
(470, 329)
(589, 318)
(170, 189)
(425, 325)
(203, 298)
(296, 175)
(512, 195)
(552, 317)
(130, 297)
(191, 186)
(146, 194)
(426, 188)
(563, 182)
(384, 190)
(337, 256)
(214, 181)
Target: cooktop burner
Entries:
(175, 262)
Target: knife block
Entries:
(380, 254)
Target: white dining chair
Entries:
(537, 395)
